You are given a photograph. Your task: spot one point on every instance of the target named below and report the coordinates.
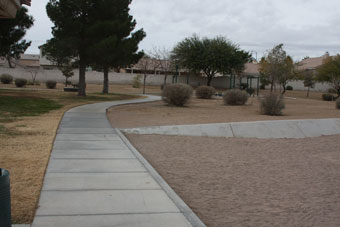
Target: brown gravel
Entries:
(213, 111)
(251, 182)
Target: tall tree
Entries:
(287, 74)
(309, 80)
(163, 60)
(146, 64)
(277, 67)
(210, 56)
(329, 72)
(115, 43)
(11, 33)
(72, 20)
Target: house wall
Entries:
(298, 85)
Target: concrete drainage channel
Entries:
(259, 129)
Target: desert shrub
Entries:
(337, 104)
(137, 81)
(205, 92)
(235, 97)
(20, 82)
(51, 84)
(30, 82)
(6, 79)
(289, 88)
(332, 91)
(244, 86)
(328, 97)
(272, 104)
(177, 94)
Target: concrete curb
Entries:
(194, 220)
(258, 129)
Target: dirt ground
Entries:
(201, 111)
(251, 182)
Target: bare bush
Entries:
(235, 97)
(272, 104)
(205, 92)
(177, 94)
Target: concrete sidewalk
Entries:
(258, 129)
(95, 178)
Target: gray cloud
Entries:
(306, 27)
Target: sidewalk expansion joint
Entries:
(106, 214)
(104, 190)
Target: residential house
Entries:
(8, 8)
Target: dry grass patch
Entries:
(26, 143)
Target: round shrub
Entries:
(51, 84)
(337, 104)
(136, 82)
(263, 87)
(20, 82)
(6, 79)
(332, 91)
(289, 88)
(30, 82)
(328, 97)
(205, 92)
(177, 94)
(235, 97)
(272, 104)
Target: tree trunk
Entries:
(144, 81)
(209, 80)
(9, 62)
(284, 90)
(165, 77)
(308, 92)
(66, 81)
(106, 81)
(271, 87)
(82, 80)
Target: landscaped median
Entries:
(28, 124)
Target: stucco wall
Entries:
(127, 78)
(118, 78)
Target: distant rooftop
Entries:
(312, 63)
(8, 8)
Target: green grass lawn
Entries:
(12, 107)
(15, 104)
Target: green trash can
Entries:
(5, 199)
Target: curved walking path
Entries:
(258, 129)
(95, 177)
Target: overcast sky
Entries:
(305, 27)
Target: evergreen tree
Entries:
(11, 33)
(72, 20)
(329, 72)
(115, 43)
